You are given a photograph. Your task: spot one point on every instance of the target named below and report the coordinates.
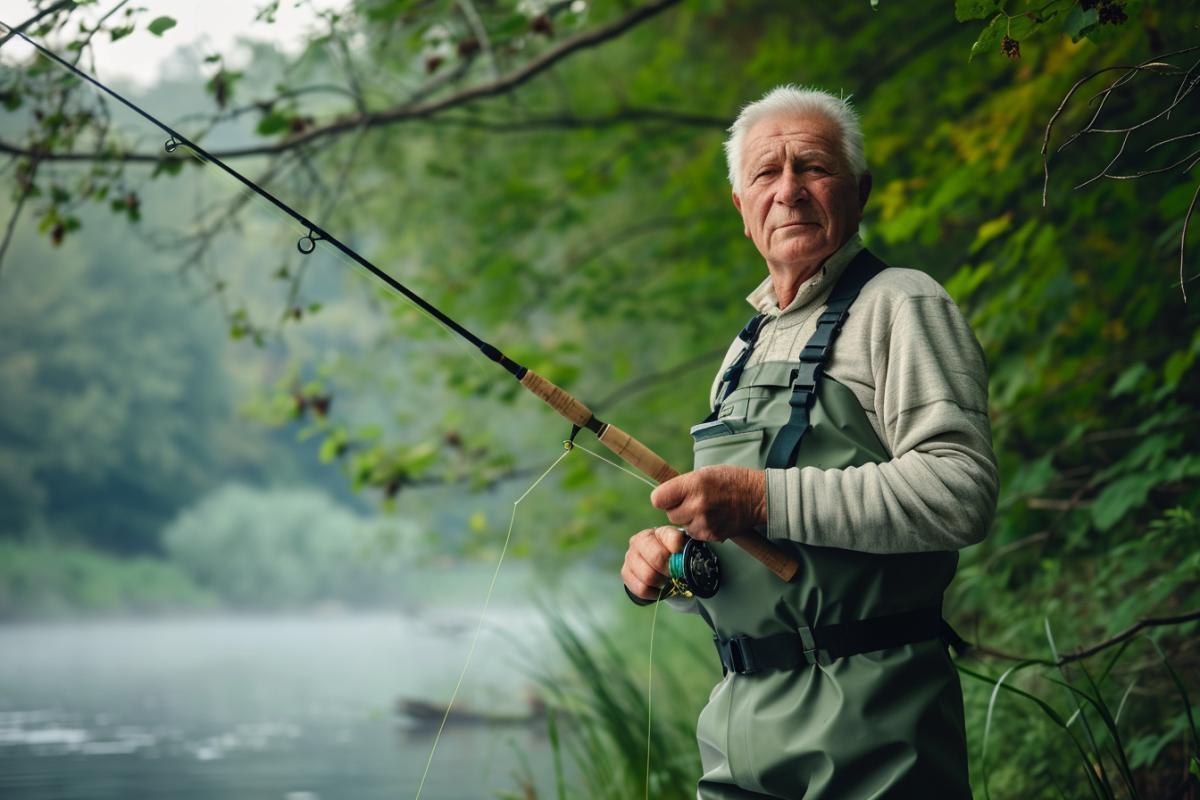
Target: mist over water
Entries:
(267, 707)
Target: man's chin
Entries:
(803, 251)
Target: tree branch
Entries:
(568, 121)
(557, 122)
(1091, 650)
(45, 12)
(409, 111)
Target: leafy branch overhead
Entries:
(1078, 19)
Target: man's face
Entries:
(799, 200)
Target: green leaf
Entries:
(160, 25)
(1120, 497)
(990, 230)
(120, 33)
(1079, 22)
(1128, 380)
(989, 38)
(167, 166)
(966, 10)
(272, 123)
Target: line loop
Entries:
(308, 242)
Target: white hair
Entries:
(791, 101)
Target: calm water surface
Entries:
(294, 708)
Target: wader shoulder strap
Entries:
(816, 352)
(729, 381)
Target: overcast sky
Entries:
(211, 26)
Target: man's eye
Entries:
(816, 168)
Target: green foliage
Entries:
(114, 408)
(600, 713)
(287, 548)
(42, 580)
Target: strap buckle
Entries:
(804, 377)
(811, 654)
(813, 354)
(736, 654)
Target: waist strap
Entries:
(823, 644)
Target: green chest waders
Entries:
(837, 684)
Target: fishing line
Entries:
(594, 454)
(650, 682)
(482, 614)
(653, 625)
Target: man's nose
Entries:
(792, 188)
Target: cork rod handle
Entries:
(642, 458)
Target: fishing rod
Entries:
(695, 570)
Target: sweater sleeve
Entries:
(938, 491)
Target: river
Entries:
(295, 708)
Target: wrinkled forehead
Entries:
(810, 133)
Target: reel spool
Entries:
(695, 572)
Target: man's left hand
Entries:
(715, 503)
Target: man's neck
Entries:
(787, 280)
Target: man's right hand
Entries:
(646, 561)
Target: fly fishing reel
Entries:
(695, 571)
(692, 572)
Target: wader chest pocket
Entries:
(740, 449)
(744, 402)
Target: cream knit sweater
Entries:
(908, 355)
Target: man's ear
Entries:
(737, 203)
(864, 190)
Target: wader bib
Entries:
(837, 685)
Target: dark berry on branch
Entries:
(1112, 14)
(1010, 47)
(543, 25)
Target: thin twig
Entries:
(476, 25)
(12, 220)
(45, 12)
(1091, 650)
(1172, 139)
(1146, 172)
(1187, 218)
(1104, 172)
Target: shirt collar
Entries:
(765, 301)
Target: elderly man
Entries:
(870, 461)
